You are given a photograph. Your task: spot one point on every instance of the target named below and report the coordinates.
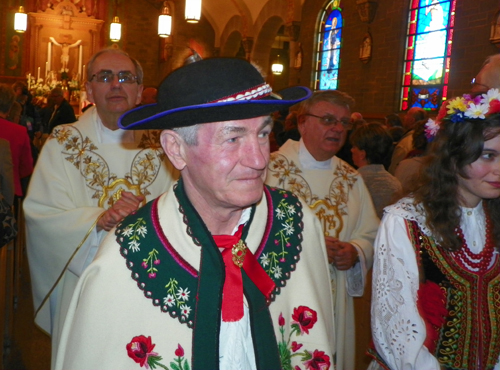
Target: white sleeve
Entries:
(87, 252)
(356, 275)
(365, 228)
(397, 328)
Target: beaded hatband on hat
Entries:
(255, 92)
(211, 90)
(464, 108)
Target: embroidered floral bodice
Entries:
(397, 326)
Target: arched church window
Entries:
(426, 66)
(329, 41)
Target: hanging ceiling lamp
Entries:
(20, 20)
(193, 11)
(277, 66)
(115, 30)
(165, 21)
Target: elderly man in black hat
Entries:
(221, 272)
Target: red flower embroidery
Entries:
(319, 361)
(296, 346)
(281, 320)
(140, 348)
(305, 318)
(179, 352)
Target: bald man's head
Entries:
(488, 77)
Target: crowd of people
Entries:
(212, 223)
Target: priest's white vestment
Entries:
(82, 169)
(339, 198)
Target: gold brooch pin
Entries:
(239, 251)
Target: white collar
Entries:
(107, 136)
(245, 216)
(308, 162)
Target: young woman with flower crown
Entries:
(436, 273)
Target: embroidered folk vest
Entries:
(470, 336)
(193, 294)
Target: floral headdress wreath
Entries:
(462, 108)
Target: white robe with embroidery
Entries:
(81, 167)
(357, 224)
(108, 308)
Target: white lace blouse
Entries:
(397, 328)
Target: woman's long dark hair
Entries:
(455, 146)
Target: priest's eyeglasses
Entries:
(106, 76)
(478, 88)
(329, 120)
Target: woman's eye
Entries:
(488, 155)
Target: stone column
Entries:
(247, 45)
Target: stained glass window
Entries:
(329, 42)
(428, 53)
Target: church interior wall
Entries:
(375, 85)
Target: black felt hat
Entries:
(211, 90)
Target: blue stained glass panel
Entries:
(425, 86)
(329, 47)
(334, 19)
(328, 81)
(425, 98)
(331, 39)
(433, 17)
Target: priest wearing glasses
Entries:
(89, 176)
(338, 196)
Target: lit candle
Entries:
(38, 76)
(80, 57)
(49, 55)
(29, 80)
(84, 73)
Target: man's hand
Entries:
(127, 204)
(343, 255)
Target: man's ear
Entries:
(139, 94)
(90, 95)
(301, 124)
(362, 154)
(174, 147)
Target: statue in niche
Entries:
(66, 10)
(365, 49)
(72, 8)
(65, 52)
(13, 59)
